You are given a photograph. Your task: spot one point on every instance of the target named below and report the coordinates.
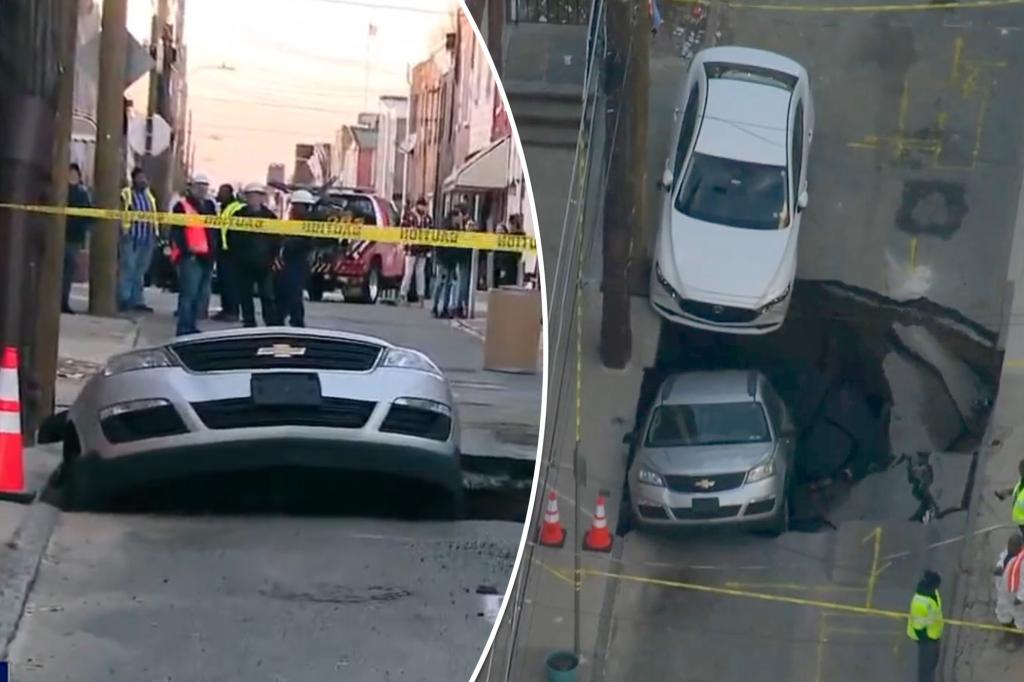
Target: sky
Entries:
(296, 71)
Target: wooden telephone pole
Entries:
(628, 78)
(109, 157)
(47, 323)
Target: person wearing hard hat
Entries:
(292, 267)
(193, 251)
(226, 267)
(925, 625)
(254, 254)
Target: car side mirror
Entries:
(629, 438)
(52, 429)
(802, 202)
(665, 184)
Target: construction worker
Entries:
(138, 241)
(1005, 598)
(254, 254)
(1016, 495)
(925, 625)
(415, 254)
(227, 269)
(292, 266)
(193, 251)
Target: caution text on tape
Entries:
(455, 239)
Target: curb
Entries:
(20, 566)
(467, 328)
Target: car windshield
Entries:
(708, 424)
(735, 193)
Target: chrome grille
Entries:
(257, 352)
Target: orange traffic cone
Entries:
(12, 454)
(552, 533)
(598, 539)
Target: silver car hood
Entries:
(702, 460)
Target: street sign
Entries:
(137, 134)
(137, 64)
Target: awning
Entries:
(486, 170)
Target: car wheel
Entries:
(79, 491)
(371, 284)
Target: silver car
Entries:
(253, 398)
(716, 448)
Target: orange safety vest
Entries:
(1012, 571)
(195, 235)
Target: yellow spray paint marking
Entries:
(783, 599)
(825, 8)
(876, 535)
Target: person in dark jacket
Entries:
(195, 263)
(254, 254)
(75, 232)
(292, 266)
(227, 278)
(446, 261)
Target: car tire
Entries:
(79, 490)
(372, 284)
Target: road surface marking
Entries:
(782, 599)
(876, 534)
(889, 558)
(812, 8)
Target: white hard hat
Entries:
(200, 180)
(254, 188)
(302, 196)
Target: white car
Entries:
(735, 187)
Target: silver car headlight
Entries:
(663, 281)
(765, 469)
(777, 300)
(138, 359)
(405, 358)
(649, 477)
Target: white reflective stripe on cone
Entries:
(10, 423)
(9, 385)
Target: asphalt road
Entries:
(288, 597)
(915, 171)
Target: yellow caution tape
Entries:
(455, 239)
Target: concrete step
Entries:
(547, 136)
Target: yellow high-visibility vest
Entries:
(229, 210)
(925, 614)
(1018, 504)
(126, 204)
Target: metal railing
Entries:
(565, 12)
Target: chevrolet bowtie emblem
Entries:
(718, 310)
(281, 351)
(705, 484)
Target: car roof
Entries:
(701, 388)
(746, 121)
(293, 332)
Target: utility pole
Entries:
(155, 169)
(105, 235)
(495, 32)
(47, 322)
(28, 91)
(628, 27)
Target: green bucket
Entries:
(561, 666)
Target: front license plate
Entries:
(705, 505)
(287, 388)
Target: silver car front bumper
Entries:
(205, 422)
(752, 503)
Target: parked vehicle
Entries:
(362, 270)
(735, 188)
(716, 448)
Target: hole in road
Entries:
(869, 383)
(313, 492)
